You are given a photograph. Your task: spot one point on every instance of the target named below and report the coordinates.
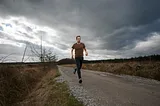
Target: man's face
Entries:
(78, 39)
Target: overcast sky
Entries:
(109, 28)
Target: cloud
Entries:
(149, 46)
(110, 28)
(126, 37)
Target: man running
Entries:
(79, 47)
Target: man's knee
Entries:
(79, 67)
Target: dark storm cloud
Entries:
(101, 16)
(35, 1)
(146, 11)
(113, 13)
(103, 24)
(126, 36)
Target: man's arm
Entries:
(85, 51)
(72, 53)
(84, 48)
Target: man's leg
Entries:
(75, 69)
(81, 61)
(78, 67)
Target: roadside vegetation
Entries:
(33, 85)
(147, 69)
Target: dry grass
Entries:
(48, 92)
(18, 81)
(39, 94)
(145, 69)
(33, 85)
(60, 95)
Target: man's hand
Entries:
(72, 57)
(86, 53)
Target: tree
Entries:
(49, 56)
(43, 54)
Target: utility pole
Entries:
(41, 49)
(24, 53)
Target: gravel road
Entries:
(105, 89)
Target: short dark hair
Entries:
(78, 36)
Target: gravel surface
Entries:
(77, 90)
(106, 89)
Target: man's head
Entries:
(78, 38)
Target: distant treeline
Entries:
(72, 61)
(140, 58)
(26, 63)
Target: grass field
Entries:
(33, 85)
(145, 69)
